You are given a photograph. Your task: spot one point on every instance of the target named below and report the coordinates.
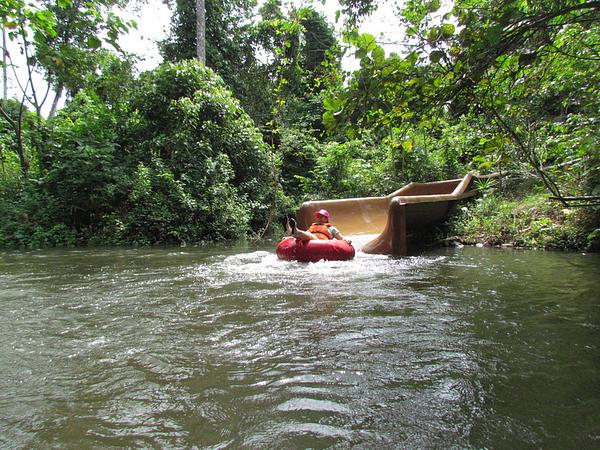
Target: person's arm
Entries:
(341, 237)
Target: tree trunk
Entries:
(59, 92)
(4, 66)
(201, 31)
(16, 126)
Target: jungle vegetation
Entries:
(191, 153)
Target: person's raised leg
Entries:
(288, 229)
(298, 234)
(304, 235)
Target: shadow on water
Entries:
(230, 347)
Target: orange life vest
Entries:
(321, 231)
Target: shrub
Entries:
(83, 173)
(356, 168)
(188, 130)
(176, 159)
(532, 222)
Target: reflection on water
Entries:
(231, 347)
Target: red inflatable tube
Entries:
(291, 249)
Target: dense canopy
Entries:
(187, 153)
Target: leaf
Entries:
(360, 53)
(425, 124)
(435, 56)
(332, 103)
(526, 59)
(448, 30)
(367, 42)
(433, 35)
(58, 61)
(412, 31)
(484, 166)
(494, 34)
(93, 42)
(434, 5)
(455, 50)
(328, 120)
(379, 55)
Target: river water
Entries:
(228, 347)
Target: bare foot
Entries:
(290, 226)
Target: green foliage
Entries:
(17, 126)
(298, 152)
(414, 156)
(485, 186)
(62, 37)
(27, 218)
(523, 74)
(112, 76)
(82, 174)
(352, 169)
(163, 208)
(281, 87)
(175, 160)
(173, 156)
(303, 59)
(230, 50)
(58, 40)
(183, 123)
(355, 10)
(69, 55)
(78, 183)
(524, 222)
(184, 115)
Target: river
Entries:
(228, 347)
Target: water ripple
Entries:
(230, 347)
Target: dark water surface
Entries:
(228, 347)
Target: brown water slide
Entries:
(393, 217)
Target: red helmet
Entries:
(322, 212)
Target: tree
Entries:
(55, 37)
(4, 63)
(201, 31)
(303, 58)
(174, 160)
(197, 157)
(228, 46)
(503, 60)
(295, 46)
(71, 54)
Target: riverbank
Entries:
(494, 218)
(528, 221)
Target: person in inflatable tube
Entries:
(321, 229)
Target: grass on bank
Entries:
(530, 221)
